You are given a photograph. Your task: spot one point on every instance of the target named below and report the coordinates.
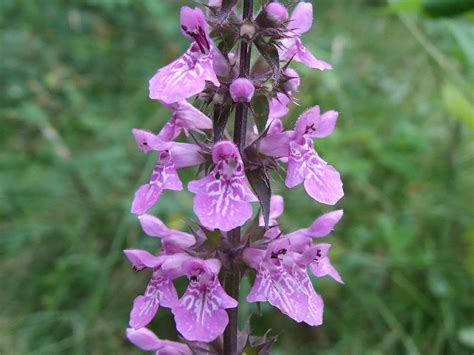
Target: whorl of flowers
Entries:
(230, 239)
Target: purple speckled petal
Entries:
(200, 314)
(145, 198)
(193, 20)
(223, 197)
(275, 285)
(314, 307)
(222, 207)
(321, 181)
(184, 77)
(160, 290)
(324, 185)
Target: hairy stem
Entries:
(232, 278)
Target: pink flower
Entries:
(241, 90)
(279, 106)
(187, 75)
(185, 118)
(160, 290)
(200, 313)
(321, 181)
(146, 340)
(223, 197)
(172, 241)
(301, 21)
(283, 282)
(276, 13)
(319, 263)
(164, 176)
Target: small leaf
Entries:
(262, 187)
(220, 116)
(226, 8)
(260, 109)
(213, 237)
(269, 52)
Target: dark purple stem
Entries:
(232, 277)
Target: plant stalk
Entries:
(232, 277)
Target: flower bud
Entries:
(241, 90)
(293, 80)
(276, 13)
(247, 30)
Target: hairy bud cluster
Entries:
(235, 176)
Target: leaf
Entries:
(220, 116)
(226, 8)
(269, 52)
(458, 105)
(446, 8)
(262, 187)
(404, 6)
(260, 109)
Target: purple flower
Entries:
(301, 21)
(160, 289)
(172, 241)
(187, 75)
(200, 313)
(321, 181)
(283, 282)
(279, 106)
(319, 263)
(241, 90)
(146, 340)
(276, 13)
(302, 238)
(223, 197)
(185, 118)
(164, 176)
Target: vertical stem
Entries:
(232, 278)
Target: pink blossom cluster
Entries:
(227, 195)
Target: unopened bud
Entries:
(276, 13)
(247, 30)
(241, 90)
(293, 81)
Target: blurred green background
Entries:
(74, 81)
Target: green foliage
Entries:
(74, 82)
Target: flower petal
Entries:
(200, 314)
(301, 18)
(160, 290)
(145, 198)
